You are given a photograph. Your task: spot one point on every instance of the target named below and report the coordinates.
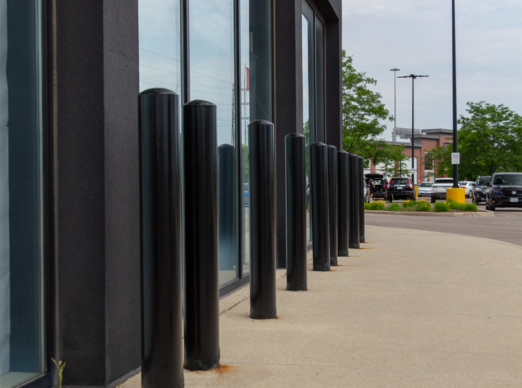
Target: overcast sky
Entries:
(415, 36)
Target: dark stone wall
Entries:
(98, 200)
(288, 94)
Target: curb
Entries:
(433, 214)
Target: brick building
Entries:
(425, 140)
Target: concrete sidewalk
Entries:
(411, 309)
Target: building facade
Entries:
(425, 141)
(70, 75)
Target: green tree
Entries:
(363, 112)
(394, 163)
(490, 140)
(441, 159)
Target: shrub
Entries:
(470, 207)
(408, 204)
(442, 207)
(423, 206)
(455, 205)
(394, 207)
(376, 205)
(367, 206)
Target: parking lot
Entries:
(505, 226)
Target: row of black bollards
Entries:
(337, 222)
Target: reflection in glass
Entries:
(313, 89)
(21, 226)
(212, 79)
(319, 80)
(256, 90)
(160, 44)
(308, 100)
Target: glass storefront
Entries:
(313, 89)
(229, 65)
(22, 346)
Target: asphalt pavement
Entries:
(505, 226)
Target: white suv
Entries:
(438, 190)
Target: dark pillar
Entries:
(361, 198)
(355, 214)
(332, 201)
(162, 358)
(320, 207)
(288, 92)
(97, 222)
(295, 212)
(344, 206)
(262, 220)
(201, 236)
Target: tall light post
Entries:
(395, 70)
(413, 78)
(455, 136)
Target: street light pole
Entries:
(413, 78)
(395, 70)
(455, 136)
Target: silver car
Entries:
(425, 189)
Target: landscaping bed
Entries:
(423, 206)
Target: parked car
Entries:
(468, 187)
(400, 188)
(479, 192)
(379, 184)
(438, 190)
(505, 190)
(425, 189)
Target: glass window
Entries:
(21, 226)
(256, 89)
(160, 44)
(313, 89)
(212, 75)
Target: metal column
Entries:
(320, 206)
(262, 220)
(295, 177)
(160, 230)
(201, 236)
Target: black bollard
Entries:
(332, 202)
(295, 177)
(320, 207)
(355, 214)
(361, 199)
(160, 230)
(344, 206)
(227, 202)
(201, 236)
(262, 220)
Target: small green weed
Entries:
(60, 365)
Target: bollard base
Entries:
(343, 254)
(334, 261)
(322, 268)
(203, 364)
(355, 246)
(264, 315)
(297, 288)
